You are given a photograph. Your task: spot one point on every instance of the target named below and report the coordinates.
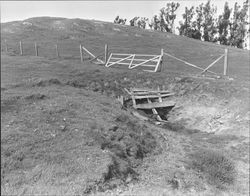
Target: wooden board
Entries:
(151, 93)
(154, 111)
(155, 105)
(152, 96)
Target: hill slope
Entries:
(69, 33)
(60, 138)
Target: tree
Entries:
(133, 21)
(139, 22)
(209, 22)
(154, 24)
(199, 18)
(119, 20)
(223, 25)
(142, 22)
(186, 27)
(167, 17)
(238, 26)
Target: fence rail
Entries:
(147, 61)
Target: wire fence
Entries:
(65, 50)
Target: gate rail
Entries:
(150, 63)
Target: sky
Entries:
(98, 10)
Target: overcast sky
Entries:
(98, 10)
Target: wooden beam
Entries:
(155, 111)
(21, 48)
(128, 91)
(92, 54)
(132, 67)
(152, 96)
(141, 89)
(36, 49)
(57, 52)
(133, 100)
(225, 62)
(155, 105)
(130, 64)
(159, 94)
(159, 64)
(106, 65)
(187, 63)
(95, 58)
(118, 58)
(106, 53)
(119, 61)
(149, 92)
(120, 54)
(209, 66)
(81, 53)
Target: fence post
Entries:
(160, 67)
(57, 52)
(36, 49)
(21, 48)
(225, 62)
(81, 52)
(6, 45)
(106, 53)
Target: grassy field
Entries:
(63, 131)
(57, 116)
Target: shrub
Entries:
(218, 169)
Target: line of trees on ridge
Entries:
(230, 28)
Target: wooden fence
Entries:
(225, 55)
(150, 63)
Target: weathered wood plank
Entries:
(156, 57)
(155, 111)
(155, 105)
(150, 92)
(119, 58)
(209, 66)
(121, 54)
(129, 64)
(152, 96)
(133, 100)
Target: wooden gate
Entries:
(150, 63)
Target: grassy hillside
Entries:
(69, 33)
(63, 131)
(58, 137)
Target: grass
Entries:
(93, 36)
(218, 168)
(59, 137)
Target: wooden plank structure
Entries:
(150, 63)
(151, 96)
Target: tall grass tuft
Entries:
(218, 169)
